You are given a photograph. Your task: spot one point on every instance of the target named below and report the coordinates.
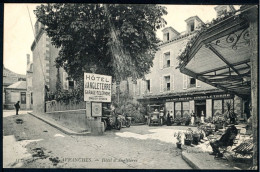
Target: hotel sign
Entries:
(97, 88)
(200, 97)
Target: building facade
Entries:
(10, 78)
(177, 92)
(44, 75)
(29, 77)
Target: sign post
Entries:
(97, 89)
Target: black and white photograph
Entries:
(130, 86)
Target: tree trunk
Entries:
(253, 32)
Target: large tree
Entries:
(119, 39)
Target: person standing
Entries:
(17, 107)
(192, 118)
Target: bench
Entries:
(245, 149)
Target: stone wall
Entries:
(74, 120)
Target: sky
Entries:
(18, 33)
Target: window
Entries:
(167, 83)
(23, 98)
(192, 26)
(71, 84)
(168, 36)
(192, 82)
(148, 85)
(31, 98)
(167, 60)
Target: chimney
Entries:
(221, 9)
(28, 58)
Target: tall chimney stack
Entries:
(28, 58)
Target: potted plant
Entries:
(187, 120)
(196, 137)
(188, 137)
(179, 137)
(201, 133)
(178, 121)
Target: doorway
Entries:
(199, 107)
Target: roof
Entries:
(171, 28)
(5, 70)
(18, 85)
(194, 17)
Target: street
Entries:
(31, 143)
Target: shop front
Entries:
(206, 105)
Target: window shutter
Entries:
(161, 61)
(172, 58)
(184, 81)
(172, 81)
(65, 81)
(197, 83)
(161, 84)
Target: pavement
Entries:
(58, 126)
(140, 147)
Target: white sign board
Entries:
(97, 88)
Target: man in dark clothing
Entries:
(226, 140)
(17, 107)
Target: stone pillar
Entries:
(208, 108)
(192, 106)
(94, 124)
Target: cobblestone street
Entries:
(34, 144)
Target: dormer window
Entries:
(169, 33)
(193, 23)
(192, 26)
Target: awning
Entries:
(219, 54)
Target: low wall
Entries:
(54, 106)
(75, 120)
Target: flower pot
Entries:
(178, 145)
(187, 142)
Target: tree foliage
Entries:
(119, 39)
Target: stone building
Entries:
(44, 75)
(167, 86)
(29, 76)
(10, 78)
(18, 87)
